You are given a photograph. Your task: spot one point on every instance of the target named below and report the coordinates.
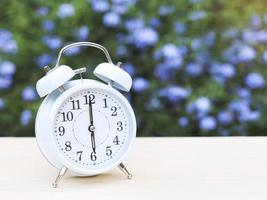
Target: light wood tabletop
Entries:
(163, 168)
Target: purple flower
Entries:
(2, 103)
(194, 69)
(44, 59)
(170, 51)
(174, 93)
(5, 82)
(250, 116)
(111, 19)
(72, 51)
(4, 36)
(120, 37)
(128, 2)
(209, 38)
(130, 68)
(154, 22)
(230, 53)
(42, 11)
(239, 105)
(66, 10)
(100, 6)
(82, 33)
(25, 117)
(174, 63)
(53, 42)
(153, 104)
(195, 1)
(48, 25)
(202, 57)
(243, 93)
(29, 94)
(225, 117)
(144, 37)
(166, 10)
(7, 43)
(179, 27)
(140, 84)
(249, 36)
(183, 121)
(10, 46)
(230, 33)
(208, 123)
(246, 54)
(162, 72)
(197, 15)
(202, 104)
(242, 108)
(172, 59)
(133, 24)
(183, 49)
(121, 50)
(120, 8)
(254, 80)
(255, 21)
(222, 72)
(227, 70)
(7, 68)
(261, 36)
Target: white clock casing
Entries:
(45, 121)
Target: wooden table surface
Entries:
(163, 168)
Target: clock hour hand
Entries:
(93, 141)
(91, 127)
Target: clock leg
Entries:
(61, 173)
(125, 170)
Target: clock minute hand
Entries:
(92, 127)
(91, 113)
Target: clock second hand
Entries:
(92, 127)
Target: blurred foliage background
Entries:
(198, 66)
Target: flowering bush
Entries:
(198, 66)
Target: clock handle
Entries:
(78, 44)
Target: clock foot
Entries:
(125, 170)
(61, 173)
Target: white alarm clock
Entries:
(83, 125)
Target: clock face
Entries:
(92, 128)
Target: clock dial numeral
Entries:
(79, 154)
(108, 151)
(119, 124)
(89, 98)
(110, 125)
(75, 104)
(61, 130)
(116, 140)
(105, 103)
(114, 111)
(93, 156)
(67, 116)
(68, 146)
